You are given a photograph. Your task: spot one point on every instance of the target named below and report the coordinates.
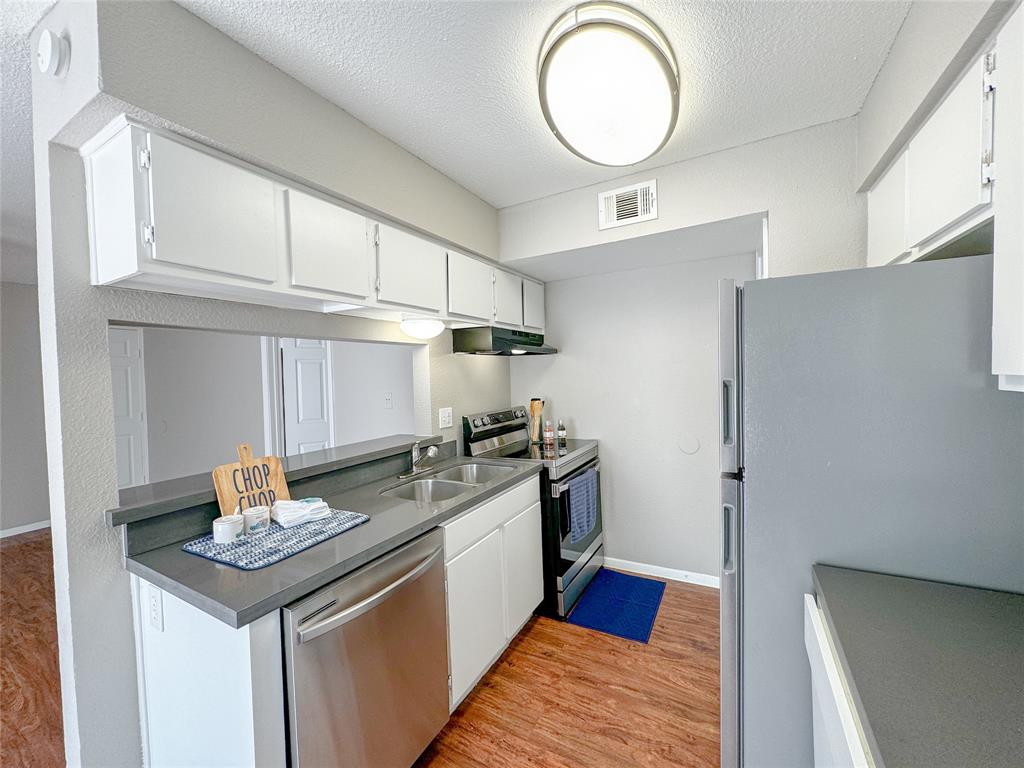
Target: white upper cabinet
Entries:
(410, 270)
(887, 219)
(508, 298)
(327, 246)
(533, 305)
(210, 214)
(1008, 203)
(944, 174)
(469, 287)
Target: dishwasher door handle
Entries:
(358, 609)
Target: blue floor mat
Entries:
(619, 604)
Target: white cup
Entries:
(227, 529)
(257, 519)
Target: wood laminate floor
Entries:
(31, 730)
(561, 696)
(567, 697)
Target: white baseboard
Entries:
(5, 532)
(672, 574)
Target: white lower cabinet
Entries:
(524, 579)
(493, 581)
(838, 740)
(476, 616)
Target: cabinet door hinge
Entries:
(449, 684)
(377, 286)
(145, 159)
(989, 79)
(148, 234)
(376, 235)
(988, 167)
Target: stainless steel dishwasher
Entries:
(366, 663)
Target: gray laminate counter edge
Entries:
(146, 501)
(934, 669)
(239, 597)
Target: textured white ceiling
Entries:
(17, 198)
(454, 81)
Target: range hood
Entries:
(484, 340)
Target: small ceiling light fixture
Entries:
(609, 84)
(421, 327)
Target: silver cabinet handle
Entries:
(728, 532)
(357, 610)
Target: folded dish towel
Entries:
(292, 512)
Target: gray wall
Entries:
(23, 482)
(204, 395)
(805, 180)
(199, 82)
(362, 374)
(643, 379)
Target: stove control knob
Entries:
(476, 422)
(487, 420)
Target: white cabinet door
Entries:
(508, 298)
(476, 612)
(211, 214)
(524, 579)
(327, 246)
(469, 287)
(887, 215)
(410, 270)
(944, 161)
(1008, 202)
(533, 304)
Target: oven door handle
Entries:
(557, 489)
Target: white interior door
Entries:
(307, 394)
(129, 392)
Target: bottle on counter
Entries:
(549, 435)
(562, 438)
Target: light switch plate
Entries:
(389, 401)
(444, 417)
(155, 607)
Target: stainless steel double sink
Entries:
(446, 484)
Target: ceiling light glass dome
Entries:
(609, 84)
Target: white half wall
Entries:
(363, 373)
(24, 501)
(643, 380)
(805, 181)
(204, 396)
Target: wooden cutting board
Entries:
(249, 482)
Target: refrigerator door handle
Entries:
(728, 413)
(728, 538)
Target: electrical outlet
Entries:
(155, 600)
(389, 401)
(444, 418)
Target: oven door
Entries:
(577, 549)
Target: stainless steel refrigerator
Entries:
(861, 427)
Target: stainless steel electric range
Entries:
(568, 565)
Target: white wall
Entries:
(362, 374)
(643, 380)
(805, 180)
(204, 396)
(24, 500)
(197, 81)
(935, 43)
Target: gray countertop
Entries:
(935, 670)
(142, 501)
(239, 597)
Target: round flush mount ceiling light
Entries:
(609, 84)
(421, 327)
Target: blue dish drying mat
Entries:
(619, 604)
(276, 543)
